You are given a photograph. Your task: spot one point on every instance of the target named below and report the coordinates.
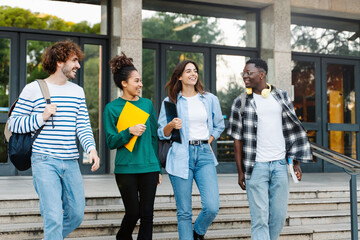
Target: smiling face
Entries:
(189, 76)
(132, 86)
(253, 77)
(70, 67)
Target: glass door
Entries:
(8, 91)
(325, 101)
(20, 55)
(92, 74)
(340, 79)
(307, 101)
(228, 85)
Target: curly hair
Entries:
(174, 86)
(60, 52)
(121, 67)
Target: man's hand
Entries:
(93, 158)
(297, 170)
(137, 130)
(241, 180)
(50, 109)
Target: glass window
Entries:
(200, 28)
(303, 80)
(148, 74)
(319, 35)
(68, 16)
(3, 147)
(343, 142)
(340, 93)
(92, 88)
(34, 50)
(229, 85)
(4, 74)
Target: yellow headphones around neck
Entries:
(265, 92)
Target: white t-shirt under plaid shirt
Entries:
(244, 128)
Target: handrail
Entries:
(338, 159)
(352, 167)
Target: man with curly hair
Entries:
(56, 175)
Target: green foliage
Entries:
(22, 18)
(161, 26)
(148, 74)
(325, 41)
(91, 86)
(4, 72)
(227, 95)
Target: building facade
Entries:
(312, 48)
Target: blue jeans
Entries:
(268, 193)
(202, 169)
(59, 186)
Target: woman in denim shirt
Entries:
(200, 122)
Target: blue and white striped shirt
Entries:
(71, 120)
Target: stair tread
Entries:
(171, 206)
(172, 220)
(233, 233)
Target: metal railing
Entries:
(352, 167)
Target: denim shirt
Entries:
(177, 162)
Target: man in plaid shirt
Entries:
(266, 133)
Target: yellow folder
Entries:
(130, 116)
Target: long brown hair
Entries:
(174, 86)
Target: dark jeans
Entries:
(138, 195)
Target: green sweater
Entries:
(143, 158)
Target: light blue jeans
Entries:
(60, 188)
(202, 169)
(268, 193)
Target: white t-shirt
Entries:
(198, 129)
(270, 144)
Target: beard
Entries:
(68, 73)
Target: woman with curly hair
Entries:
(137, 173)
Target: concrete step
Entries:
(169, 224)
(318, 232)
(97, 212)
(236, 195)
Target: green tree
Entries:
(4, 72)
(325, 41)
(163, 26)
(22, 18)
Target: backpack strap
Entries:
(45, 90)
(46, 94)
(243, 102)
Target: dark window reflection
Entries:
(303, 80)
(340, 93)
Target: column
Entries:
(126, 36)
(275, 43)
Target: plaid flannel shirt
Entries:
(244, 128)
